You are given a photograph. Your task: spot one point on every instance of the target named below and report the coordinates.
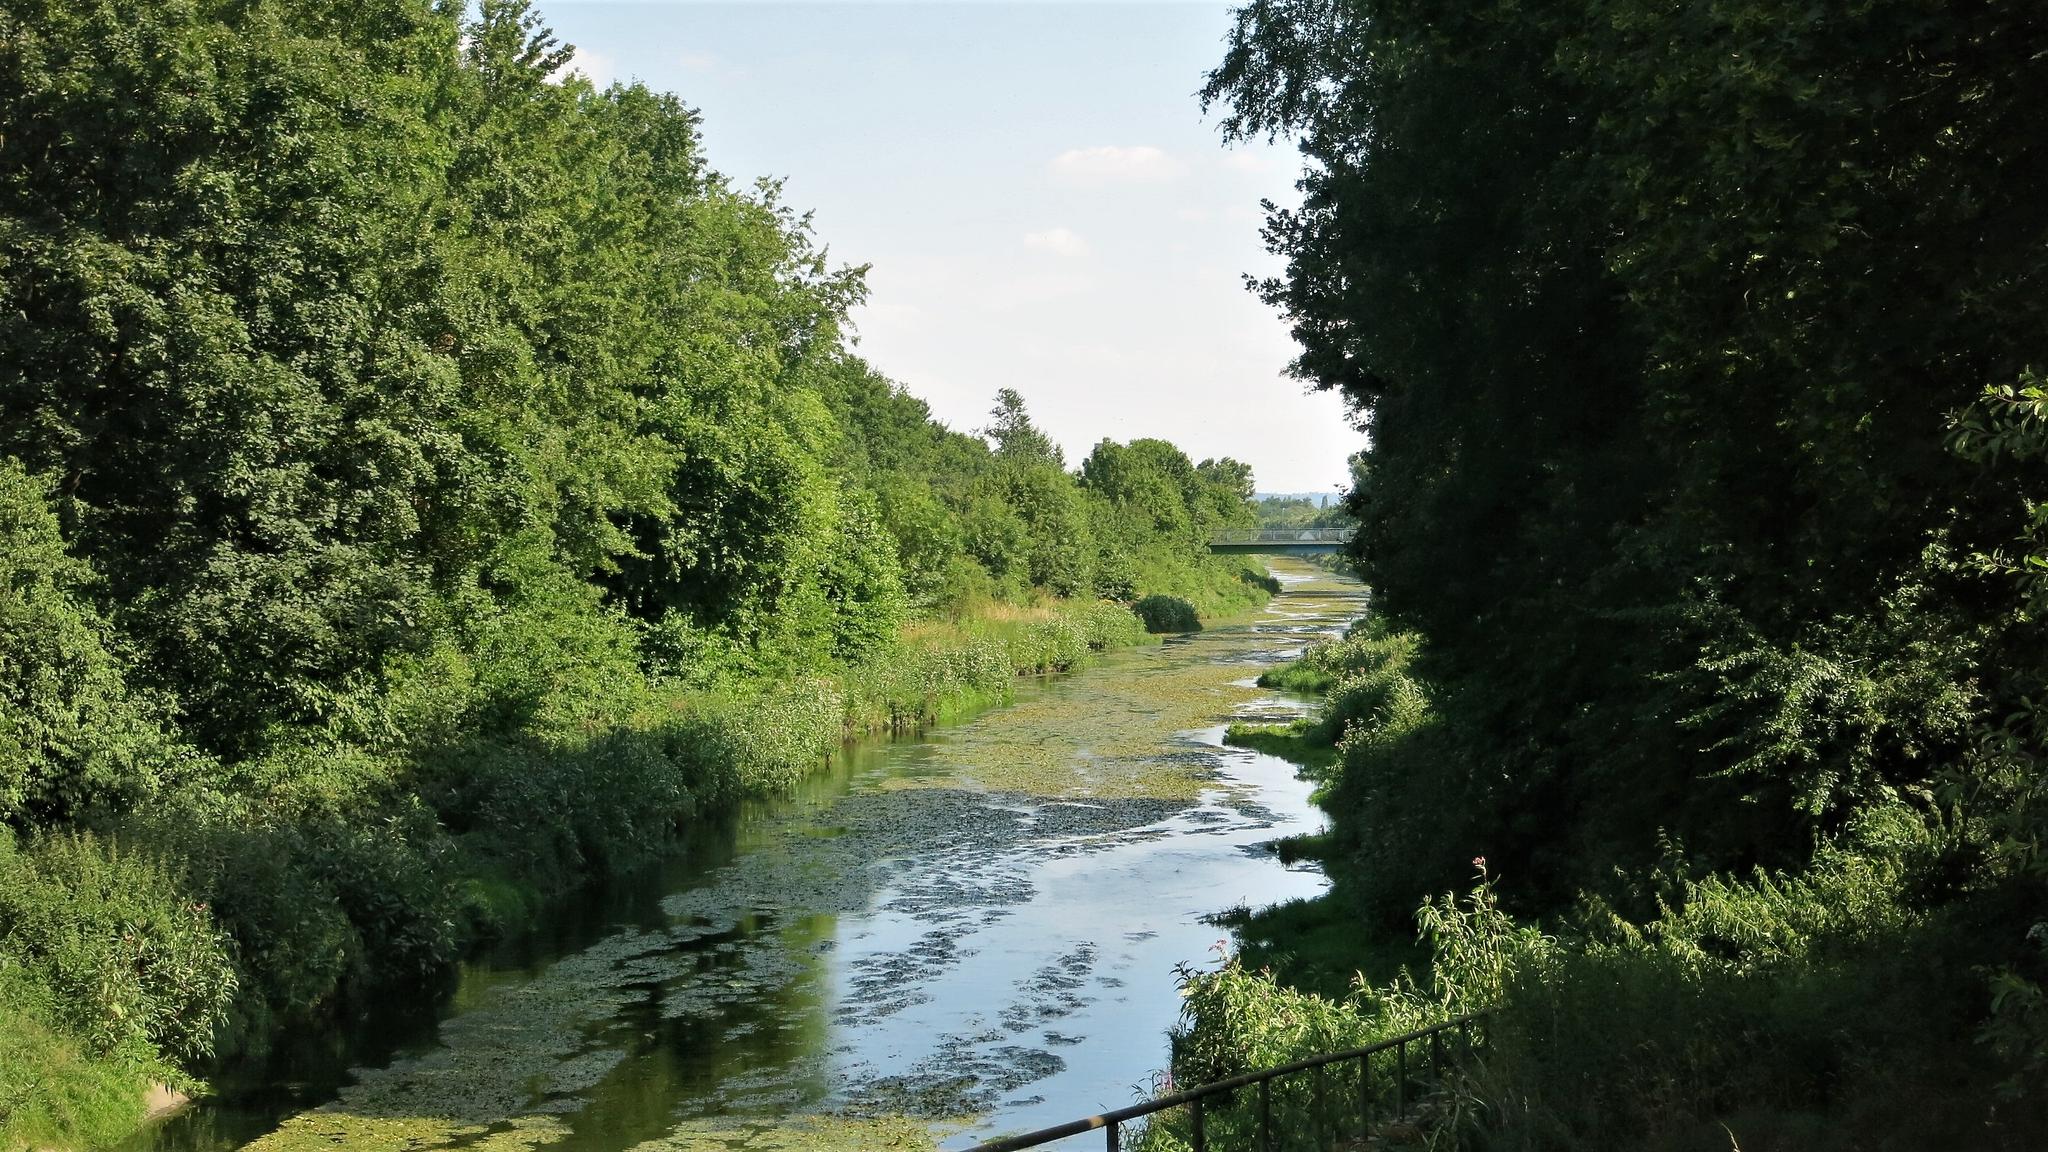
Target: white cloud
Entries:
(1110, 164)
(709, 66)
(1017, 292)
(595, 67)
(892, 320)
(1058, 241)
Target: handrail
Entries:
(1111, 1120)
(1283, 536)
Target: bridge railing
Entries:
(1329, 1119)
(1283, 536)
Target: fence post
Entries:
(1365, 1095)
(1201, 1138)
(1265, 1116)
(1401, 1080)
(1114, 1143)
(1316, 1109)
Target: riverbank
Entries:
(289, 904)
(1773, 1009)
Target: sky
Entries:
(1042, 203)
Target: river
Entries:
(942, 939)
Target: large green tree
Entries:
(1657, 316)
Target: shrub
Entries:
(1111, 625)
(754, 745)
(1260, 579)
(1365, 648)
(132, 964)
(292, 939)
(1234, 1020)
(1167, 614)
(1053, 644)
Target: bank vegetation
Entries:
(1700, 713)
(425, 485)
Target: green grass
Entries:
(53, 1092)
(1298, 677)
(1320, 945)
(1300, 742)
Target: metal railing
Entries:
(1326, 1127)
(1284, 536)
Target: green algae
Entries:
(1101, 735)
(324, 1129)
(1082, 765)
(798, 1134)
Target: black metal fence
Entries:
(1342, 1097)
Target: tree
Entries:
(1646, 378)
(1016, 438)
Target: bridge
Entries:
(1283, 541)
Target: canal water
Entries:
(944, 939)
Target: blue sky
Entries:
(1043, 204)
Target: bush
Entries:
(1167, 614)
(1052, 645)
(1234, 1020)
(133, 966)
(1110, 625)
(1365, 648)
(293, 941)
(739, 746)
(73, 736)
(1810, 1009)
(1762, 1004)
(920, 683)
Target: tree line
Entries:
(424, 482)
(1700, 350)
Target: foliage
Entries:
(74, 738)
(1699, 354)
(1167, 614)
(1298, 512)
(1234, 1020)
(130, 965)
(425, 482)
(1366, 647)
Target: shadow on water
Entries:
(309, 1067)
(977, 928)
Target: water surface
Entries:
(943, 939)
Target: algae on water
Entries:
(767, 1006)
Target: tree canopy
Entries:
(1698, 348)
(423, 477)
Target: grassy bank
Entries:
(1827, 1007)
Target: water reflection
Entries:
(979, 929)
